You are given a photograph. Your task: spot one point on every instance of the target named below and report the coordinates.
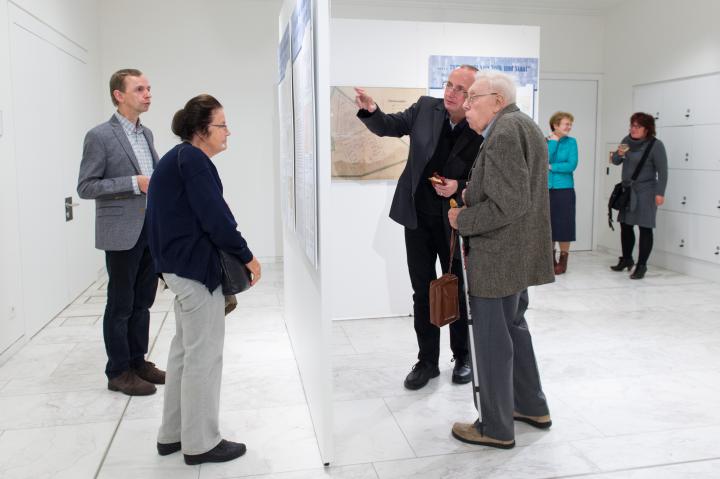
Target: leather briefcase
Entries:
(444, 300)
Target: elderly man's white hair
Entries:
(499, 83)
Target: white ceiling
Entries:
(568, 7)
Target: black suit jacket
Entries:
(423, 121)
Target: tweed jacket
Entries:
(106, 170)
(507, 219)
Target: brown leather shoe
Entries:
(468, 433)
(129, 383)
(540, 422)
(150, 373)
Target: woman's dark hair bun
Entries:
(195, 117)
(178, 122)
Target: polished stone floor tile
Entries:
(59, 409)
(650, 449)
(687, 470)
(133, 454)
(277, 439)
(360, 471)
(538, 461)
(365, 431)
(62, 452)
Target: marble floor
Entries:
(631, 370)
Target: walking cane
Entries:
(475, 381)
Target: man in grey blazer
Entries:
(507, 223)
(118, 159)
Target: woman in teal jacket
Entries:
(563, 155)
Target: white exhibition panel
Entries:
(307, 287)
(368, 263)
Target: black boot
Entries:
(623, 263)
(639, 272)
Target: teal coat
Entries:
(563, 155)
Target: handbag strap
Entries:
(636, 173)
(453, 242)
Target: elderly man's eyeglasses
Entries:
(456, 89)
(470, 99)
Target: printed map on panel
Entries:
(356, 152)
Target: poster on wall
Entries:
(523, 70)
(358, 154)
(287, 146)
(303, 91)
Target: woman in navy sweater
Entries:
(188, 222)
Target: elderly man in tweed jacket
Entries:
(507, 223)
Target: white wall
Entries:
(75, 23)
(568, 43)
(227, 48)
(649, 41)
(11, 314)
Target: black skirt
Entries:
(562, 214)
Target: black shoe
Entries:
(223, 452)
(420, 375)
(462, 372)
(639, 272)
(169, 448)
(622, 264)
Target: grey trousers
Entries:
(194, 369)
(508, 377)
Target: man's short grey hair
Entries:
(499, 83)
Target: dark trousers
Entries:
(627, 240)
(508, 377)
(423, 246)
(131, 291)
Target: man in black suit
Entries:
(442, 142)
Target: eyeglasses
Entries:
(470, 99)
(636, 126)
(457, 89)
(223, 126)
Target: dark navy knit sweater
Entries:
(188, 219)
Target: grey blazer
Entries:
(106, 171)
(507, 219)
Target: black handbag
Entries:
(620, 196)
(236, 278)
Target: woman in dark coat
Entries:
(648, 191)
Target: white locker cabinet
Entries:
(651, 99)
(692, 147)
(673, 232)
(706, 186)
(678, 143)
(705, 146)
(687, 113)
(680, 195)
(706, 234)
(677, 109)
(703, 99)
